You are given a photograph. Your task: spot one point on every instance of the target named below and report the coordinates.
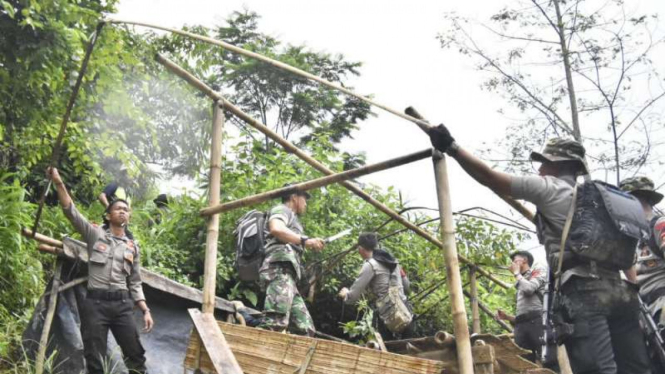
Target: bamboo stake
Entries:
(317, 183)
(69, 285)
(55, 155)
(454, 280)
(474, 301)
(210, 266)
(53, 300)
(278, 64)
(288, 146)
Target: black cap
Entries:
(529, 256)
(161, 201)
(299, 193)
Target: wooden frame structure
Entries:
(208, 330)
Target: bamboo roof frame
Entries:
(440, 170)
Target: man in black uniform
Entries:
(114, 284)
(602, 309)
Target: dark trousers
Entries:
(607, 338)
(529, 332)
(100, 316)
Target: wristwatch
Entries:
(303, 239)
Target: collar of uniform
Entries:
(109, 234)
(570, 179)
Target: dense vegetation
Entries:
(131, 116)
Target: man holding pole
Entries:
(114, 284)
(601, 310)
(284, 307)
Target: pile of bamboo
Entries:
(262, 351)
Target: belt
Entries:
(528, 316)
(108, 295)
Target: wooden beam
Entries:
(317, 183)
(214, 342)
(210, 265)
(288, 146)
(48, 320)
(453, 278)
(41, 238)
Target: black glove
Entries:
(440, 137)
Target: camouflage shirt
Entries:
(276, 251)
(113, 262)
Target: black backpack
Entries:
(606, 226)
(250, 245)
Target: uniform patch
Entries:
(535, 273)
(129, 256)
(102, 247)
(660, 225)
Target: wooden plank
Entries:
(46, 329)
(214, 343)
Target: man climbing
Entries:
(284, 307)
(114, 284)
(601, 308)
(382, 274)
(531, 284)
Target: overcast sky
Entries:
(403, 64)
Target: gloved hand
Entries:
(440, 138)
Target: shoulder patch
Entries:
(660, 225)
(536, 273)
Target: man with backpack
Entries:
(382, 274)
(284, 307)
(596, 312)
(530, 284)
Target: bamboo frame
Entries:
(454, 280)
(317, 183)
(210, 265)
(288, 146)
(489, 312)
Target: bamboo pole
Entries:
(55, 154)
(210, 266)
(454, 280)
(288, 146)
(41, 238)
(474, 301)
(317, 183)
(53, 300)
(278, 64)
(512, 202)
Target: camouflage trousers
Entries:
(284, 308)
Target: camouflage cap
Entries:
(641, 187)
(560, 149)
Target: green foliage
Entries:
(361, 329)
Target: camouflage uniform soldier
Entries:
(284, 307)
(602, 309)
(650, 266)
